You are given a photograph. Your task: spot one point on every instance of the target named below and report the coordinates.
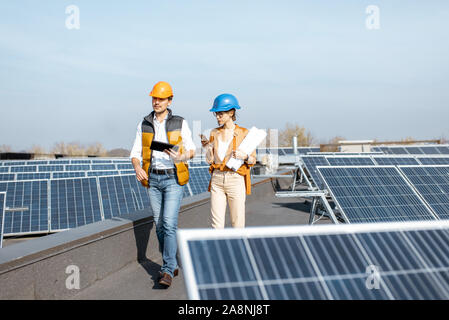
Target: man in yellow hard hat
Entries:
(164, 173)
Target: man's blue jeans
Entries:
(165, 197)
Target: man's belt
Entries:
(162, 171)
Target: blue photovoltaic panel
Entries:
(7, 177)
(389, 161)
(102, 173)
(33, 176)
(443, 150)
(127, 172)
(4, 169)
(311, 162)
(103, 167)
(430, 150)
(414, 150)
(434, 160)
(74, 203)
(374, 194)
(433, 184)
(126, 160)
(2, 215)
(404, 264)
(122, 195)
(101, 161)
(80, 161)
(77, 167)
(29, 202)
(398, 150)
(37, 162)
(51, 168)
(14, 163)
(350, 161)
(69, 174)
(199, 179)
(23, 169)
(123, 166)
(59, 162)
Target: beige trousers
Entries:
(227, 186)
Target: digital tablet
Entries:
(161, 146)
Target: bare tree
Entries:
(5, 148)
(59, 148)
(37, 150)
(304, 137)
(96, 149)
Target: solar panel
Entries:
(74, 203)
(398, 150)
(69, 174)
(127, 172)
(59, 162)
(121, 195)
(126, 166)
(374, 194)
(23, 169)
(2, 215)
(101, 161)
(80, 161)
(103, 167)
(102, 173)
(371, 261)
(349, 161)
(434, 160)
(199, 179)
(7, 177)
(443, 149)
(432, 182)
(430, 150)
(414, 150)
(4, 169)
(77, 167)
(33, 176)
(51, 168)
(310, 163)
(28, 204)
(14, 163)
(392, 160)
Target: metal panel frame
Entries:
(186, 235)
(413, 186)
(361, 167)
(2, 217)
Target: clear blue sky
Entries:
(313, 63)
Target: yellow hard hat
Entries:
(161, 90)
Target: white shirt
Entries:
(222, 148)
(161, 160)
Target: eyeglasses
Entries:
(219, 113)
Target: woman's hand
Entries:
(238, 154)
(204, 141)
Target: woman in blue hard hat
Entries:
(226, 185)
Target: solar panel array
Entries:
(374, 194)
(432, 183)
(310, 162)
(403, 261)
(55, 195)
(414, 149)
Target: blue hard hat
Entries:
(225, 102)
